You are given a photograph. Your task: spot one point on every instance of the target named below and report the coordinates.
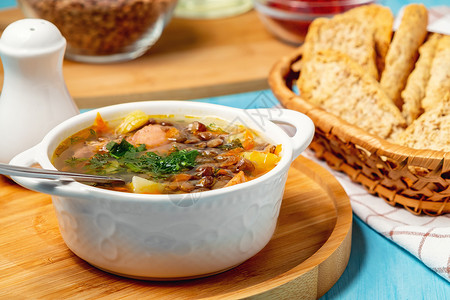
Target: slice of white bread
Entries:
(416, 85)
(339, 85)
(439, 83)
(403, 51)
(382, 20)
(431, 130)
(347, 35)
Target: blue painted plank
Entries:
(395, 5)
(7, 3)
(380, 269)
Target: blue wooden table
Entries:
(378, 268)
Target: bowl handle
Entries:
(304, 126)
(48, 186)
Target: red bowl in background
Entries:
(289, 20)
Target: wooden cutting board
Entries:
(306, 256)
(192, 59)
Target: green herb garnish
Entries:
(73, 161)
(214, 128)
(99, 163)
(236, 143)
(119, 150)
(175, 162)
(124, 157)
(92, 132)
(75, 139)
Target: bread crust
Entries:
(339, 85)
(417, 82)
(403, 51)
(439, 83)
(431, 130)
(382, 20)
(341, 58)
(350, 36)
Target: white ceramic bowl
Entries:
(170, 236)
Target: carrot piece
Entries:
(238, 178)
(278, 149)
(223, 172)
(248, 142)
(100, 124)
(263, 162)
(172, 132)
(233, 152)
(181, 177)
(121, 189)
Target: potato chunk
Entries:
(144, 186)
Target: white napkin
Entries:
(426, 237)
(438, 19)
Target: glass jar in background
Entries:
(104, 31)
(289, 20)
(209, 9)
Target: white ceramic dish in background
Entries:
(170, 236)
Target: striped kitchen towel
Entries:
(426, 237)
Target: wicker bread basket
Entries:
(418, 180)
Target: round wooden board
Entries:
(306, 256)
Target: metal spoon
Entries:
(12, 170)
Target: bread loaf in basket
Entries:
(370, 146)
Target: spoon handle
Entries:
(12, 170)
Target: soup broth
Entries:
(167, 154)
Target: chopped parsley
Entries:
(124, 148)
(124, 157)
(214, 128)
(75, 139)
(175, 162)
(98, 161)
(92, 132)
(236, 143)
(73, 161)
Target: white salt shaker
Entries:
(34, 97)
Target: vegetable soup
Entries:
(167, 154)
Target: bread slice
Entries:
(382, 20)
(439, 83)
(403, 51)
(350, 36)
(338, 84)
(431, 130)
(416, 85)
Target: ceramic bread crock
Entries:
(167, 237)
